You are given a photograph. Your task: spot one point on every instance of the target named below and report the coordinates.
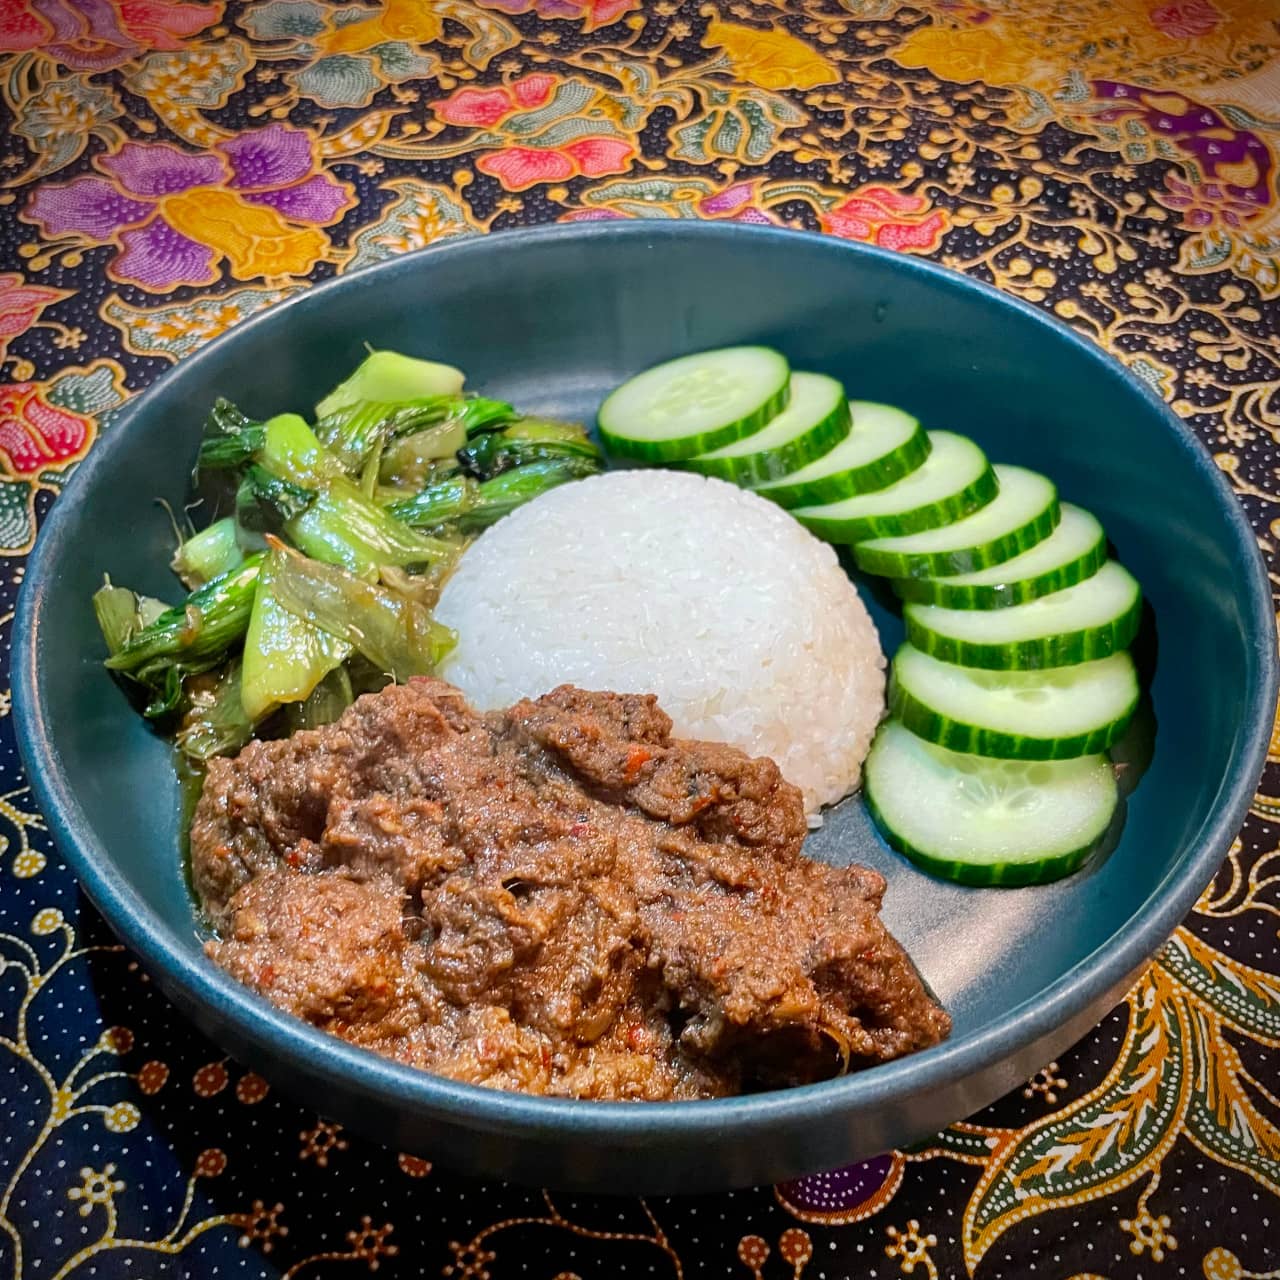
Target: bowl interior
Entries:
(552, 323)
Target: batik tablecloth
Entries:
(167, 169)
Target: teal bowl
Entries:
(552, 319)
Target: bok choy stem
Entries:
(393, 378)
(230, 438)
(397, 635)
(207, 554)
(285, 657)
(196, 635)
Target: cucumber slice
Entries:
(983, 821)
(1018, 715)
(1021, 515)
(815, 420)
(1074, 551)
(954, 480)
(694, 404)
(1096, 618)
(884, 445)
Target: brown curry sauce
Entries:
(557, 898)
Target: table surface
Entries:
(168, 169)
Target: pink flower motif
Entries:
(37, 436)
(253, 191)
(21, 305)
(96, 35)
(519, 168)
(890, 219)
(1204, 205)
(735, 204)
(1186, 20)
(483, 108)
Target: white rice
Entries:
(741, 621)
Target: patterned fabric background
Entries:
(169, 168)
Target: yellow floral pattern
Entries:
(770, 58)
(257, 242)
(170, 169)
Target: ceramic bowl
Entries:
(551, 319)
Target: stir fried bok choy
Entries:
(328, 541)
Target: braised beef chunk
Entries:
(558, 898)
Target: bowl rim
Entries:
(287, 1038)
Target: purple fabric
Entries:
(158, 257)
(276, 156)
(91, 206)
(158, 169)
(318, 199)
(1189, 128)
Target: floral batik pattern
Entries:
(169, 168)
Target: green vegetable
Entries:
(983, 821)
(215, 723)
(122, 614)
(397, 635)
(391, 378)
(476, 506)
(815, 420)
(1018, 715)
(534, 441)
(291, 451)
(197, 634)
(343, 527)
(953, 481)
(320, 586)
(178, 641)
(410, 460)
(321, 510)
(437, 504)
(404, 443)
(209, 553)
(230, 438)
(285, 657)
(361, 430)
(883, 445)
(264, 502)
(695, 403)
(504, 493)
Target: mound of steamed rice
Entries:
(741, 621)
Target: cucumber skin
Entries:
(690, 446)
(894, 524)
(1004, 596)
(875, 475)
(1005, 875)
(759, 468)
(1064, 650)
(937, 564)
(928, 724)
